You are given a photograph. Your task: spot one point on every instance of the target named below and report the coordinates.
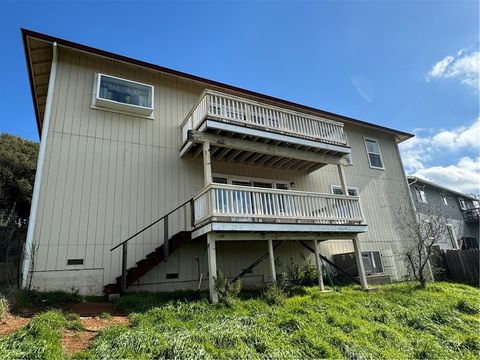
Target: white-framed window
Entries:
(462, 204)
(444, 199)
(374, 155)
(337, 190)
(453, 237)
(121, 95)
(420, 192)
(251, 181)
(372, 262)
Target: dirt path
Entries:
(75, 341)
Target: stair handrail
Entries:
(150, 225)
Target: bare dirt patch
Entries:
(11, 324)
(75, 341)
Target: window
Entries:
(374, 155)
(337, 190)
(219, 180)
(372, 262)
(453, 237)
(444, 199)
(420, 192)
(123, 95)
(462, 204)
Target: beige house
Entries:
(150, 179)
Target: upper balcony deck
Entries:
(224, 116)
(245, 208)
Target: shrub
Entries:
(274, 295)
(303, 275)
(227, 291)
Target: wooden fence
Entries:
(463, 265)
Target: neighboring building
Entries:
(241, 174)
(461, 211)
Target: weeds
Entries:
(44, 300)
(40, 339)
(105, 316)
(396, 322)
(274, 295)
(4, 307)
(227, 291)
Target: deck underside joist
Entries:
(279, 231)
(262, 149)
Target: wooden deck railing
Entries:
(241, 203)
(242, 111)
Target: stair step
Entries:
(149, 262)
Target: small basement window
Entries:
(123, 95)
(374, 155)
(372, 262)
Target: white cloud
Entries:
(428, 145)
(463, 176)
(464, 65)
(439, 69)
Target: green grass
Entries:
(396, 322)
(44, 300)
(40, 339)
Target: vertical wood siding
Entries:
(107, 175)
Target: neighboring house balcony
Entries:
(225, 207)
(259, 134)
(471, 215)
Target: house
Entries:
(460, 210)
(151, 179)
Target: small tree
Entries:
(423, 228)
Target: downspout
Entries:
(40, 165)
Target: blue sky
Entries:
(409, 65)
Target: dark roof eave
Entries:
(400, 135)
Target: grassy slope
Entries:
(397, 321)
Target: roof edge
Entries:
(421, 180)
(400, 135)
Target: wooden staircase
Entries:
(149, 262)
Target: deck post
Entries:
(319, 265)
(343, 180)
(212, 268)
(271, 257)
(359, 260)
(207, 163)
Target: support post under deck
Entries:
(207, 163)
(271, 257)
(319, 265)
(343, 180)
(359, 260)
(212, 268)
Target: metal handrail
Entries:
(149, 226)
